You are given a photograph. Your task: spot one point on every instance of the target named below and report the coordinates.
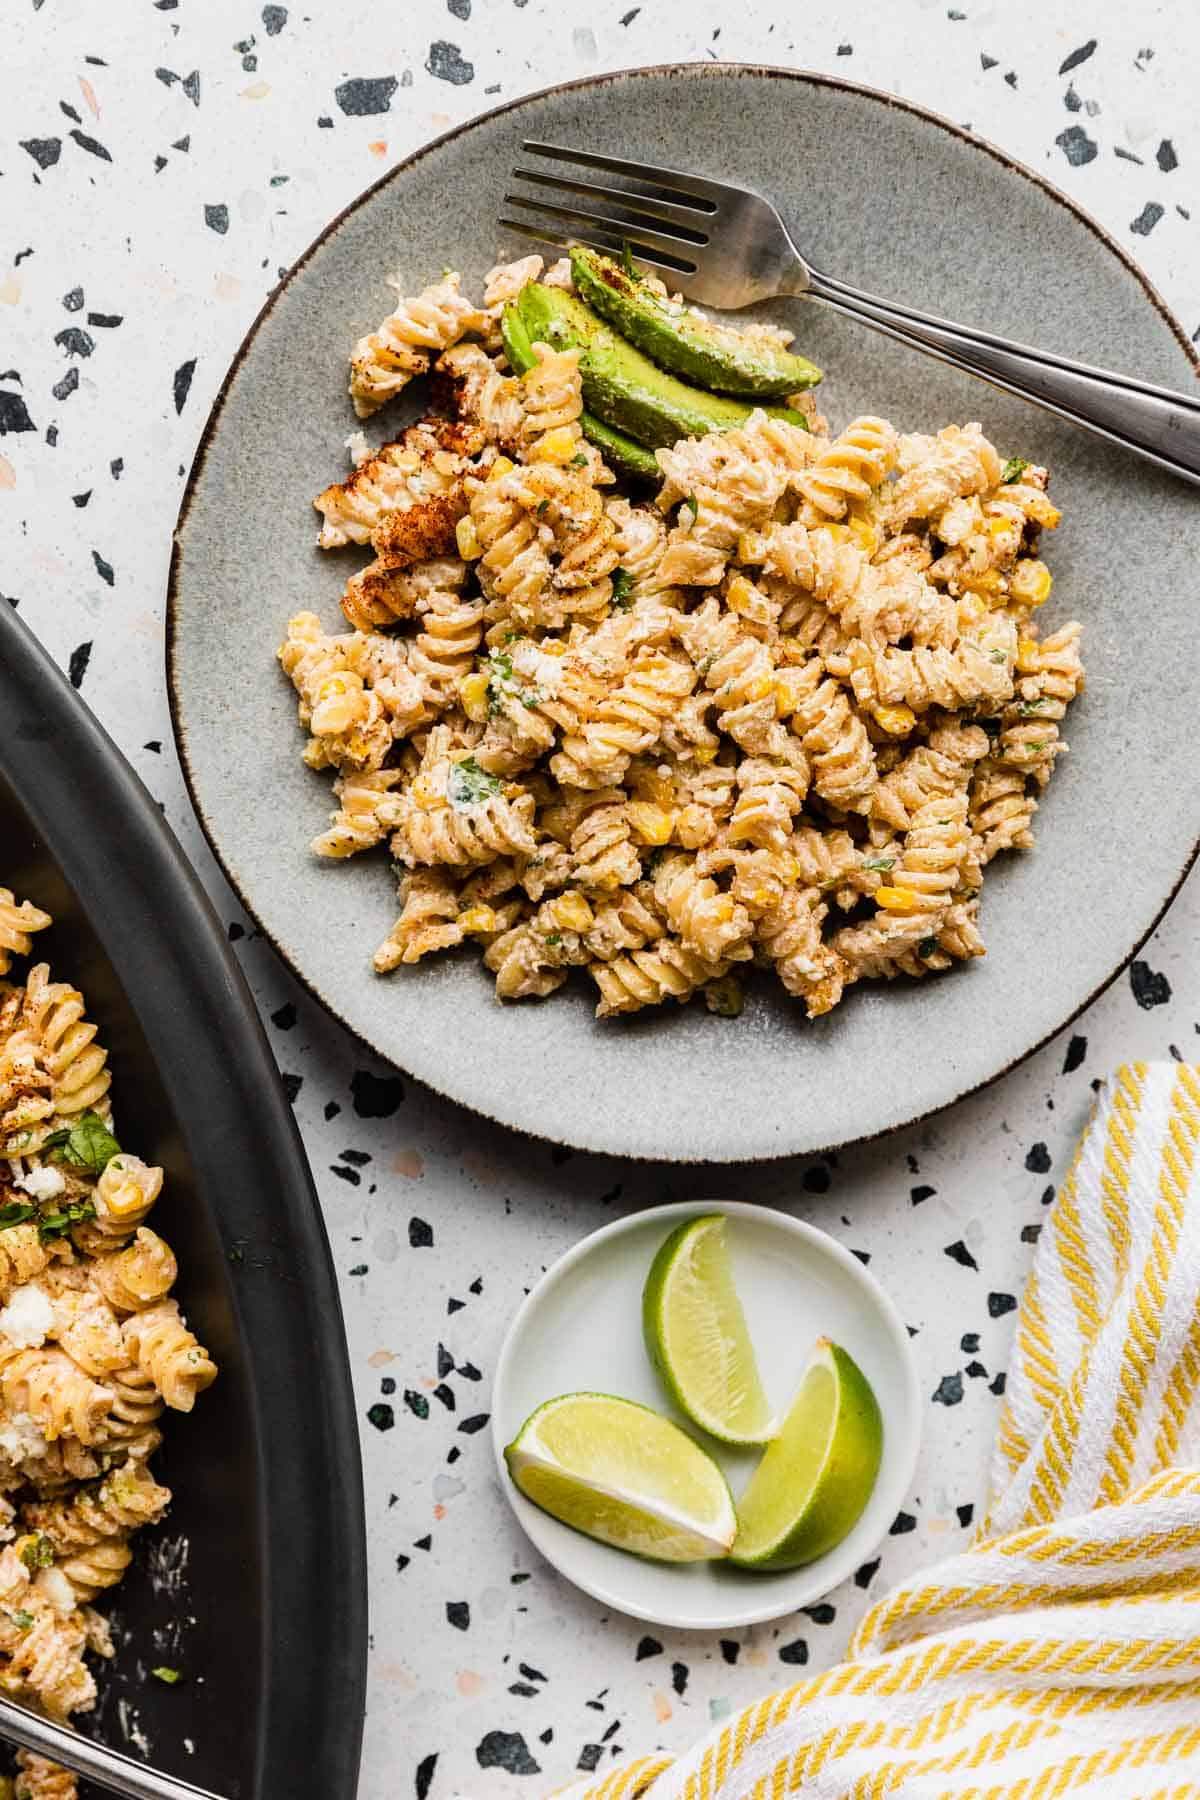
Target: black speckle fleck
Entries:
(966, 1514)
(1076, 57)
(416, 1403)
(1165, 156)
(364, 95)
(679, 1677)
(155, 744)
(427, 1764)
(92, 145)
(1037, 1159)
(1048, 1192)
(381, 1416)
(182, 382)
(458, 1614)
(217, 218)
(505, 1750)
(976, 1371)
(530, 1673)
(820, 1614)
(999, 1304)
(523, 1689)
(1076, 1051)
(359, 1158)
(105, 321)
(168, 77)
(949, 1391)
(917, 1194)
(191, 87)
(469, 1372)
(999, 1384)
(44, 151)
(350, 1176)
(987, 62)
(647, 1646)
(14, 414)
(1127, 155)
(816, 1180)
(445, 1362)
(958, 1252)
(291, 1083)
(331, 1110)
(274, 19)
(420, 1234)
(81, 500)
(631, 15)
(375, 1096)
(402, 1563)
(902, 1524)
(795, 1652)
(447, 63)
(103, 569)
(67, 385)
(1147, 219)
(1071, 99)
(460, 8)
(1077, 146)
(73, 301)
(284, 1017)
(589, 1757)
(1149, 987)
(324, 123)
(475, 1423)
(730, 1649)
(1011, 77)
(387, 1384)
(476, 1286)
(969, 1343)
(423, 1543)
(77, 667)
(845, 49)
(865, 1576)
(446, 1396)
(1031, 1233)
(453, 1305)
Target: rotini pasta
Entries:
(92, 1346)
(782, 714)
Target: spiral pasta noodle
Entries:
(785, 711)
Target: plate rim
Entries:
(675, 1212)
(686, 70)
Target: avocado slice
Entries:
(712, 355)
(623, 387)
(624, 455)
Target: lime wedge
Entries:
(622, 1473)
(815, 1479)
(696, 1335)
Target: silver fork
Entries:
(728, 247)
(109, 1768)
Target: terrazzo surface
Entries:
(161, 164)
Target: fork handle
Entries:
(108, 1768)
(1153, 422)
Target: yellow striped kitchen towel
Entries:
(1060, 1655)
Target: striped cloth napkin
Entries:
(1060, 1655)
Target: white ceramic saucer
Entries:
(580, 1328)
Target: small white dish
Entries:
(580, 1329)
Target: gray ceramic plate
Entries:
(897, 201)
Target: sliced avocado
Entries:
(621, 452)
(624, 387)
(712, 355)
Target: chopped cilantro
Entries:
(543, 506)
(56, 1225)
(1029, 709)
(627, 262)
(170, 1676)
(1013, 470)
(88, 1146)
(37, 1552)
(702, 668)
(501, 664)
(927, 947)
(16, 1212)
(622, 586)
(1035, 744)
(22, 1618)
(554, 937)
(998, 656)
(882, 863)
(579, 460)
(469, 785)
(693, 506)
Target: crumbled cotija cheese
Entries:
(546, 672)
(43, 1183)
(27, 1317)
(20, 1437)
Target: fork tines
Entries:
(659, 214)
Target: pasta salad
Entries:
(92, 1346)
(780, 705)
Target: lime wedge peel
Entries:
(815, 1479)
(622, 1473)
(697, 1338)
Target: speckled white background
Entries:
(161, 164)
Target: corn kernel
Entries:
(572, 912)
(752, 547)
(897, 721)
(759, 688)
(557, 446)
(988, 582)
(1027, 656)
(897, 899)
(501, 467)
(656, 784)
(723, 909)
(1039, 507)
(740, 594)
(473, 690)
(425, 795)
(467, 539)
(477, 918)
(864, 534)
(651, 824)
(703, 754)
(1031, 582)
